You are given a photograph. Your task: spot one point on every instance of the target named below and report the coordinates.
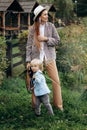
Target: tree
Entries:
(82, 7)
(64, 9)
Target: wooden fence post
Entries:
(9, 58)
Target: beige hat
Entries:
(38, 10)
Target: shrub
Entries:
(3, 63)
(22, 43)
(72, 55)
(65, 10)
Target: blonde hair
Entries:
(37, 62)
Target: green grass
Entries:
(16, 112)
(15, 50)
(16, 59)
(18, 70)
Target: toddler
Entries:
(41, 89)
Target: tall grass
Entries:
(16, 112)
(72, 56)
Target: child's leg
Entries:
(46, 102)
(38, 106)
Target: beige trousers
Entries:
(53, 74)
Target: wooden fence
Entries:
(11, 56)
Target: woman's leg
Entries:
(33, 99)
(53, 74)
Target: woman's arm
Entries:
(54, 40)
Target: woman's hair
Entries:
(37, 62)
(37, 31)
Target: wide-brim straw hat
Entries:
(38, 10)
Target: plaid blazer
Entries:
(49, 46)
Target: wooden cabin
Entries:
(9, 16)
(18, 15)
(27, 15)
(15, 16)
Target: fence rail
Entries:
(11, 57)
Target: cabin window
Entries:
(0, 21)
(24, 20)
(11, 19)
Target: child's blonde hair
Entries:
(37, 62)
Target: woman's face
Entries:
(44, 16)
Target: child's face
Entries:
(35, 68)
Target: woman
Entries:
(41, 43)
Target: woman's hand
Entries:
(42, 38)
(28, 66)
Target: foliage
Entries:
(65, 10)
(84, 21)
(3, 63)
(72, 55)
(46, 1)
(82, 7)
(84, 95)
(16, 112)
(22, 43)
(23, 35)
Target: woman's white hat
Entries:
(38, 10)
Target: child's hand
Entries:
(28, 66)
(32, 88)
(33, 77)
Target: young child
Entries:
(41, 89)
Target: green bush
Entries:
(72, 55)
(65, 10)
(3, 63)
(22, 43)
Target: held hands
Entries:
(28, 66)
(42, 38)
(33, 77)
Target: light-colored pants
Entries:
(53, 74)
